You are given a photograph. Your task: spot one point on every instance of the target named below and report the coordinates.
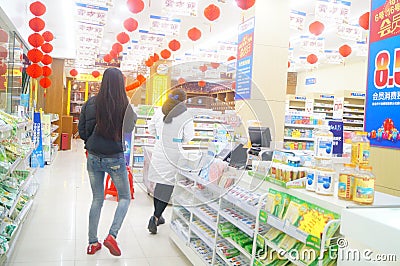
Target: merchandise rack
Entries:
(353, 110)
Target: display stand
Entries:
(49, 137)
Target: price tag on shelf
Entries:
(338, 108)
(275, 222)
(309, 106)
(293, 231)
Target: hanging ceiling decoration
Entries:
(34, 71)
(95, 74)
(45, 82)
(135, 6)
(312, 59)
(212, 12)
(165, 54)
(245, 4)
(46, 71)
(174, 45)
(37, 24)
(35, 55)
(123, 38)
(316, 28)
(194, 34)
(47, 59)
(37, 8)
(47, 48)
(345, 50)
(363, 21)
(3, 36)
(48, 36)
(130, 24)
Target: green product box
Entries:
(230, 253)
(249, 248)
(245, 241)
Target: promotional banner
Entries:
(37, 158)
(337, 131)
(312, 44)
(156, 39)
(165, 25)
(382, 119)
(244, 64)
(91, 14)
(297, 20)
(349, 32)
(333, 57)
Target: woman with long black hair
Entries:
(102, 127)
(172, 124)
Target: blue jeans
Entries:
(116, 168)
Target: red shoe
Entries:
(112, 245)
(92, 248)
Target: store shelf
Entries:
(353, 117)
(297, 107)
(282, 252)
(193, 146)
(323, 111)
(143, 144)
(144, 117)
(24, 185)
(203, 129)
(189, 252)
(298, 139)
(209, 242)
(301, 126)
(352, 122)
(141, 126)
(179, 234)
(138, 155)
(354, 105)
(352, 111)
(144, 135)
(203, 137)
(179, 214)
(54, 138)
(238, 224)
(353, 128)
(54, 128)
(329, 106)
(241, 204)
(238, 247)
(206, 120)
(209, 202)
(212, 224)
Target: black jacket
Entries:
(95, 143)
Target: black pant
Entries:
(162, 195)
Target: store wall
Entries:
(332, 78)
(270, 57)
(353, 76)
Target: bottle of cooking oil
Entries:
(346, 181)
(364, 185)
(360, 149)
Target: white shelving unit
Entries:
(19, 180)
(323, 104)
(353, 110)
(49, 137)
(295, 103)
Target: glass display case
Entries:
(14, 82)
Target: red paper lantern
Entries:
(363, 21)
(37, 24)
(46, 71)
(165, 54)
(174, 45)
(194, 34)
(45, 82)
(135, 84)
(345, 50)
(312, 59)
(233, 86)
(181, 81)
(201, 83)
(141, 79)
(135, 6)
(245, 4)
(34, 71)
(48, 36)
(3, 36)
(35, 55)
(3, 68)
(113, 54)
(149, 62)
(95, 73)
(73, 72)
(37, 8)
(130, 24)
(155, 57)
(3, 52)
(214, 65)
(203, 68)
(288, 64)
(117, 47)
(212, 12)
(107, 58)
(47, 59)
(36, 40)
(231, 58)
(123, 38)
(47, 47)
(316, 28)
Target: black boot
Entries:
(152, 225)
(161, 220)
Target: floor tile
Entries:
(113, 262)
(169, 261)
(43, 263)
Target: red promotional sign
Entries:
(385, 21)
(245, 47)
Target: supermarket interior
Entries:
(294, 104)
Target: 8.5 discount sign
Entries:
(382, 119)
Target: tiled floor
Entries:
(55, 232)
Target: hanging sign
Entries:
(103, 3)
(37, 157)
(297, 20)
(361, 49)
(349, 32)
(244, 64)
(382, 119)
(332, 10)
(91, 14)
(114, 63)
(147, 37)
(333, 57)
(165, 25)
(208, 55)
(180, 7)
(227, 48)
(312, 44)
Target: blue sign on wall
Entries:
(382, 113)
(37, 158)
(244, 65)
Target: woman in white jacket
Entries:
(172, 125)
